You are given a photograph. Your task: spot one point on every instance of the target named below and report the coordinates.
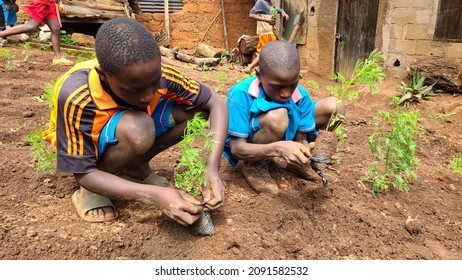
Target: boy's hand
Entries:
(284, 15)
(294, 152)
(180, 206)
(218, 189)
(62, 8)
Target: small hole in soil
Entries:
(397, 63)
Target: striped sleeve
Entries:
(183, 89)
(76, 152)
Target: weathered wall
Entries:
(318, 53)
(408, 34)
(405, 30)
(188, 27)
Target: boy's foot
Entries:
(93, 208)
(258, 177)
(62, 61)
(3, 42)
(305, 172)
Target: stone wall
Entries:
(188, 26)
(405, 30)
(408, 34)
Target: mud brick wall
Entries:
(408, 33)
(318, 53)
(188, 26)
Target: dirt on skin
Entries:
(304, 221)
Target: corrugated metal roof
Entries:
(157, 6)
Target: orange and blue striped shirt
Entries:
(82, 107)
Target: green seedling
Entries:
(10, 64)
(444, 117)
(196, 144)
(312, 85)
(456, 164)
(26, 50)
(394, 150)
(367, 72)
(5, 53)
(415, 90)
(43, 157)
(204, 68)
(273, 10)
(44, 48)
(221, 81)
(47, 95)
(66, 39)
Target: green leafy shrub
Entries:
(221, 81)
(10, 64)
(367, 72)
(26, 50)
(196, 144)
(415, 90)
(42, 155)
(456, 163)
(394, 150)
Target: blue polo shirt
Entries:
(246, 101)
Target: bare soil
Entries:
(38, 221)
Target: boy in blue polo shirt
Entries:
(271, 115)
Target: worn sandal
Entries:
(91, 202)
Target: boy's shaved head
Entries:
(278, 56)
(123, 42)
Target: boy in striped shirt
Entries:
(112, 115)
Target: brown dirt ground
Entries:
(38, 221)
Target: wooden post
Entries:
(167, 20)
(224, 24)
(301, 19)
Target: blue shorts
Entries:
(162, 117)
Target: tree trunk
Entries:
(447, 73)
(248, 44)
(174, 54)
(204, 50)
(199, 61)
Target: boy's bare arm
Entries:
(218, 116)
(291, 151)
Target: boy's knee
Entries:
(332, 105)
(276, 121)
(138, 130)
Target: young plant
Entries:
(196, 144)
(221, 81)
(42, 155)
(66, 39)
(394, 150)
(415, 90)
(368, 72)
(47, 95)
(26, 50)
(456, 164)
(312, 85)
(10, 64)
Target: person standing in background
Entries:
(41, 12)
(265, 13)
(10, 8)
